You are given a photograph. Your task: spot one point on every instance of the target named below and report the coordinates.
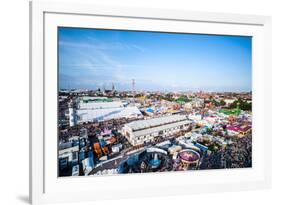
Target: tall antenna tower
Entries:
(133, 90)
(113, 87)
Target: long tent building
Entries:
(144, 131)
(100, 109)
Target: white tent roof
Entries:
(86, 115)
(160, 128)
(143, 124)
(100, 105)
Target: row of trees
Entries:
(242, 104)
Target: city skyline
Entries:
(92, 59)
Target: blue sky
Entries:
(91, 59)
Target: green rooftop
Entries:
(235, 111)
(99, 100)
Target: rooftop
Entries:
(153, 122)
(85, 115)
(100, 105)
(156, 129)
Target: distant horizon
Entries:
(166, 91)
(159, 62)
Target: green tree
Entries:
(222, 103)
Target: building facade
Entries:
(144, 131)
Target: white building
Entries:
(197, 102)
(195, 117)
(69, 155)
(228, 101)
(102, 114)
(87, 165)
(188, 106)
(99, 105)
(211, 119)
(88, 111)
(143, 131)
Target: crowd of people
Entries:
(236, 155)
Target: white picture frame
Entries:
(46, 187)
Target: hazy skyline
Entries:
(91, 59)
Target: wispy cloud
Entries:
(99, 45)
(91, 58)
(93, 55)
